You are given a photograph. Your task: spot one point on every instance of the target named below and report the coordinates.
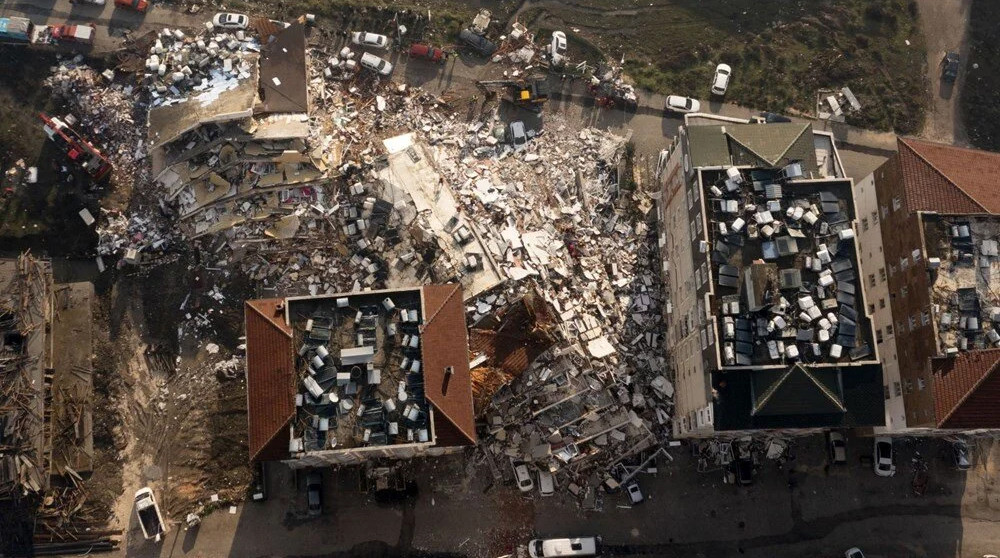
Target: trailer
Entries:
(149, 516)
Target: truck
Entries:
(137, 5)
(22, 30)
(77, 149)
(148, 512)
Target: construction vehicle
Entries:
(80, 151)
(149, 516)
(530, 93)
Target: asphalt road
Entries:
(686, 513)
(109, 21)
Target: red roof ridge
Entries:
(457, 287)
(258, 306)
(993, 367)
(919, 155)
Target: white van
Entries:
(376, 64)
(583, 546)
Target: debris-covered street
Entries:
(400, 282)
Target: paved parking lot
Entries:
(454, 512)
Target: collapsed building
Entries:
(345, 378)
(767, 314)
(930, 227)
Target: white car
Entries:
(523, 478)
(884, 467)
(721, 80)
(98, 2)
(854, 553)
(543, 548)
(230, 21)
(546, 483)
(369, 39)
(676, 103)
(376, 64)
(557, 48)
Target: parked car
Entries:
(230, 21)
(517, 135)
(950, 65)
(884, 467)
(74, 33)
(523, 478)
(854, 553)
(546, 483)
(838, 448)
(314, 492)
(582, 546)
(634, 494)
(426, 52)
(479, 43)
(720, 82)
(773, 118)
(137, 5)
(372, 40)
(683, 105)
(374, 63)
(743, 471)
(960, 453)
(557, 48)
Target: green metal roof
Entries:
(708, 146)
(797, 390)
(755, 145)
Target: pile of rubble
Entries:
(109, 111)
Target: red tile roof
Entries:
(966, 390)
(445, 343)
(270, 378)
(949, 179)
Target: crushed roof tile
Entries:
(948, 179)
(966, 389)
(445, 343)
(270, 378)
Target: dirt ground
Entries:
(945, 27)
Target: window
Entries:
(698, 277)
(704, 339)
(698, 223)
(888, 329)
(908, 385)
(864, 223)
(892, 269)
(904, 263)
(920, 384)
(691, 230)
(885, 392)
(691, 197)
(711, 336)
(896, 204)
(871, 309)
(697, 192)
(878, 335)
(881, 274)
(925, 317)
(874, 217)
(896, 388)
(881, 303)
(916, 255)
(871, 279)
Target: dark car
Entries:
(743, 471)
(314, 492)
(951, 62)
(426, 52)
(771, 117)
(479, 43)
